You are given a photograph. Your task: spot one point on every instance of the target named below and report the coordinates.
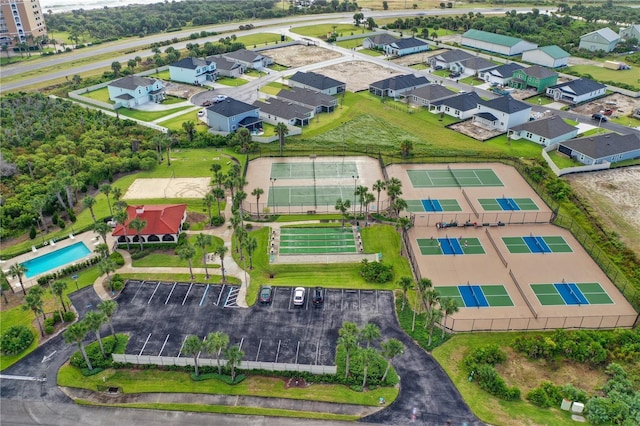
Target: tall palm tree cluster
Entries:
(357, 342)
(215, 344)
(362, 196)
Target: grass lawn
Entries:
(150, 115)
(233, 82)
(162, 75)
(539, 100)
(272, 88)
(473, 81)
(604, 74)
(322, 30)
(441, 73)
(258, 39)
(371, 52)
(169, 258)
(562, 161)
(420, 66)
(197, 278)
(625, 120)
(101, 95)
(277, 67)
(175, 123)
(350, 44)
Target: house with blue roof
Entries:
(500, 75)
(576, 91)
(501, 113)
(461, 106)
(547, 56)
(607, 148)
(318, 82)
(394, 87)
(406, 46)
(545, 131)
(192, 71)
(231, 114)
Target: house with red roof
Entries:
(164, 224)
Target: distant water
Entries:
(57, 6)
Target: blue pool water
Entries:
(53, 260)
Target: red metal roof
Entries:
(161, 219)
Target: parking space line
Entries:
(359, 300)
(164, 344)
(297, 350)
(220, 295)
(205, 294)
(273, 298)
(182, 346)
(290, 297)
(241, 342)
(154, 292)
(186, 295)
(342, 301)
(145, 344)
(376, 292)
(317, 351)
(138, 291)
(259, 346)
(278, 351)
(170, 293)
(306, 300)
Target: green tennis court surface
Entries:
(417, 206)
(317, 240)
(554, 294)
(556, 244)
(433, 246)
(314, 170)
(514, 204)
(493, 295)
(453, 178)
(309, 195)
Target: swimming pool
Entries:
(53, 260)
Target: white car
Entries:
(219, 98)
(298, 296)
(201, 113)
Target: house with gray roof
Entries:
(226, 67)
(318, 82)
(500, 75)
(607, 148)
(406, 46)
(497, 43)
(192, 71)
(249, 59)
(546, 131)
(577, 91)
(397, 85)
(274, 111)
(133, 90)
(231, 114)
(536, 77)
(430, 93)
(313, 99)
(502, 113)
(630, 32)
(460, 106)
(547, 56)
(378, 41)
(449, 59)
(603, 39)
(475, 65)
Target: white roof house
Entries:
(547, 56)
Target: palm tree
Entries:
(257, 192)
(203, 241)
(215, 344)
(121, 217)
(94, 320)
(138, 225)
(241, 235)
(349, 341)
(250, 245)
(238, 199)
(102, 229)
(116, 191)
(343, 206)
(394, 188)
(379, 186)
(106, 190)
(89, 202)
(234, 359)
(33, 301)
(208, 201)
(369, 333)
(391, 349)
(449, 306)
(76, 333)
(369, 198)
(282, 131)
(57, 289)
(189, 128)
(218, 193)
(221, 251)
(431, 318)
(361, 193)
(16, 271)
(192, 346)
(187, 252)
(106, 266)
(108, 308)
(405, 284)
(398, 205)
(367, 354)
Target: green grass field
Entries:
(604, 74)
(321, 30)
(233, 82)
(259, 39)
(150, 115)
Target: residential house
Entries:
(275, 110)
(475, 65)
(226, 67)
(317, 101)
(397, 85)
(249, 59)
(430, 93)
(318, 82)
(607, 148)
(132, 90)
(378, 41)
(497, 43)
(406, 46)
(536, 77)
(163, 224)
(500, 75)
(545, 131)
(502, 113)
(603, 39)
(461, 106)
(449, 60)
(231, 114)
(192, 71)
(630, 32)
(547, 56)
(577, 91)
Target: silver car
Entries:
(298, 296)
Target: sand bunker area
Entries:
(168, 188)
(299, 55)
(358, 75)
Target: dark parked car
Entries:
(599, 117)
(318, 297)
(265, 295)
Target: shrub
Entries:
(217, 220)
(489, 380)
(488, 354)
(69, 316)
(56, 317)
(538, 397)
(49, 329)
(223, 378)
(376, 272)
(95, 356)
(15, 340)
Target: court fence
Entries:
(598, 322)
(208, 362)
(495, 246)
(521, 291)
(411, 255)
(516, 217)
(473, 208)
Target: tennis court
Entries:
(317, 240)
(477, 296)
(433, 205)
(314, 170)
(564, 293)
(536, 244)
(310, 195)
(450, 246)
(431, 178)
(507, 204)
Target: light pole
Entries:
(75, 278)
(355, 186)
(273, 194)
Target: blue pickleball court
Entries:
(536, 244)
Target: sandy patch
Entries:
(358, 75)
(620, 104)
(298, 55)
(168, 188)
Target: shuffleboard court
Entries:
(453, 178)
(309, 195)
(574, 294)
(507, 204)
(314, 170)
(449, 246)
(476, 296)
(433, 205)
(317, 240)
(536, 244)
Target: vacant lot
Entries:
(299, 55)
(357, 74)
(601, 73)
(620, 104)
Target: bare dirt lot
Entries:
(620, 104)
(357, 74)
(184, 91)
(167, 188)
(299, 55)
(408, 60)
(615, 195)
